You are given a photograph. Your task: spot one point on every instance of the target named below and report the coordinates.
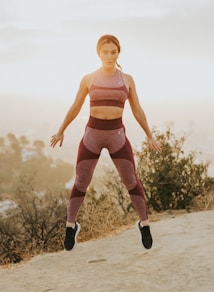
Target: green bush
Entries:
(171, 178)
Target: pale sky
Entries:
(46, 46)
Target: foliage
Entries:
(18, 158)
(117, 191)
(171, 178)
(37, 224)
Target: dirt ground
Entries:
(182, 259)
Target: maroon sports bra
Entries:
(108, 90)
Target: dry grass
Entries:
(204, 201)
(101, 217)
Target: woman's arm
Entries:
(73, 111)
(139, 114)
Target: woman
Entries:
(108, 88)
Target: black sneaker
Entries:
(71, 236)
(146, 236)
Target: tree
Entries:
(24, 141)
(39, 145)
(15, 150)
(2, 142)
(47, 174)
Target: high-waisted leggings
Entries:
(109, 134)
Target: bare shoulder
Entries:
(128, 79)
(87, 79)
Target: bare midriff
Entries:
(106, 112)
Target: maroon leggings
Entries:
(109, 134)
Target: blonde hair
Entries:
(108, 38)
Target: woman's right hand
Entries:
(57, 138)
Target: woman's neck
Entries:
(108, 71)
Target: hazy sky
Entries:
(46, 46)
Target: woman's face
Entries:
(109, 55)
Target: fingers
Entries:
(53, 143)
(55, 139)
(157, 147)
(61, 142)
(154, 145)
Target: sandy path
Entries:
(182, 259)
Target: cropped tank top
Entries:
(108, 90)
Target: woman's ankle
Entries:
(70, 224)
(144, 222)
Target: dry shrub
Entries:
(100, 216)
(205, 201)
(34, 227)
